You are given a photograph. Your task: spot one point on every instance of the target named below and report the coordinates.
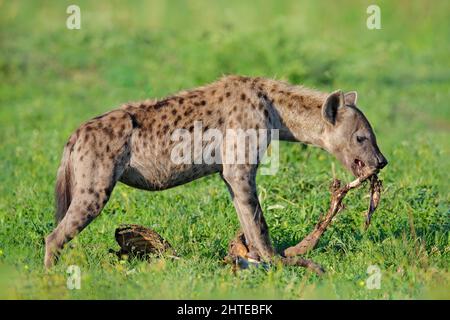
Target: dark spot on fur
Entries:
(108, 191)
(188, 111)
(246, 189)
(243, 96)
(160, 104)
(109, 132)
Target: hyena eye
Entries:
(360, 139)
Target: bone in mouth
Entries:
(375, 195)
(338, 193)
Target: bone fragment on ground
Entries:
(240, 257)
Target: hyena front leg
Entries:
(240, 180)
(94, 163)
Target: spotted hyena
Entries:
(133, 145)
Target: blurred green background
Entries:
(52, 79)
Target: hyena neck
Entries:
(300, 112)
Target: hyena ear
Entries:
(331, 105)
(350, 98)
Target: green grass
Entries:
(52, 79)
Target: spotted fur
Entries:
(132, 145)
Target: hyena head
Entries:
(349, 136)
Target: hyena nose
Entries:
(382, 162)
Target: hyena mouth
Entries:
(358, 167)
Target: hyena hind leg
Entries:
(91, 168)
(85, 207)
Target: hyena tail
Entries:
(63, 189)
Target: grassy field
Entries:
(52, 79)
